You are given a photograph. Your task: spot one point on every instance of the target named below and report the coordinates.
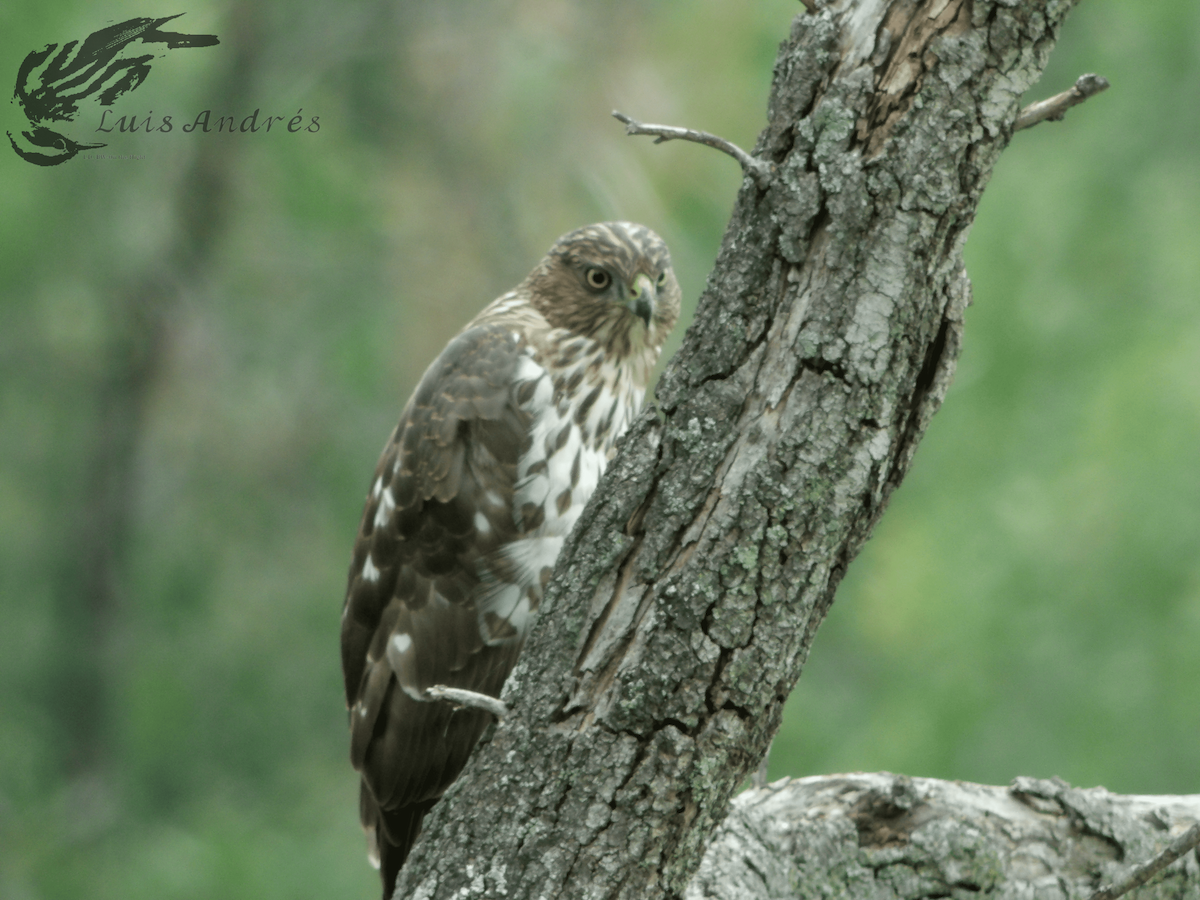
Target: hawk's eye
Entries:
(662, 279)
(597, 279)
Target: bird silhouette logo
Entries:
(110, 63)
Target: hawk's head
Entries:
(611, 281)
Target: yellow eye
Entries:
(597, 279)
(662, 279)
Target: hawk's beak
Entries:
(642, 297)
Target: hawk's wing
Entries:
(420, 606)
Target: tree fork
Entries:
(684, 603)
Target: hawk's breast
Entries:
(579, 402)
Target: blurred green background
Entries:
(203, 350)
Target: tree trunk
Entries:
(889, 836)
(685, 601)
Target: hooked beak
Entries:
(642, 298)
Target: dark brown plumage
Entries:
(495, 455)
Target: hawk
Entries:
(493, 459)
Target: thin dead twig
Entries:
(460, 697)
(756, 168)
(1140, 874)
(1054, 108)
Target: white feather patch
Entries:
(530, 555)
(369, 572)
(501, 599)
(510, 601)
(402, 664)
(387, 503)
(401, 642)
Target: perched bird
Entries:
(494, 457)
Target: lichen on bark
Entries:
(892, 837)
(685, 602)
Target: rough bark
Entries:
(685, 603)
(889, 836)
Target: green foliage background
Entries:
(203, 349)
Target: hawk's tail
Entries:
(391, 834)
